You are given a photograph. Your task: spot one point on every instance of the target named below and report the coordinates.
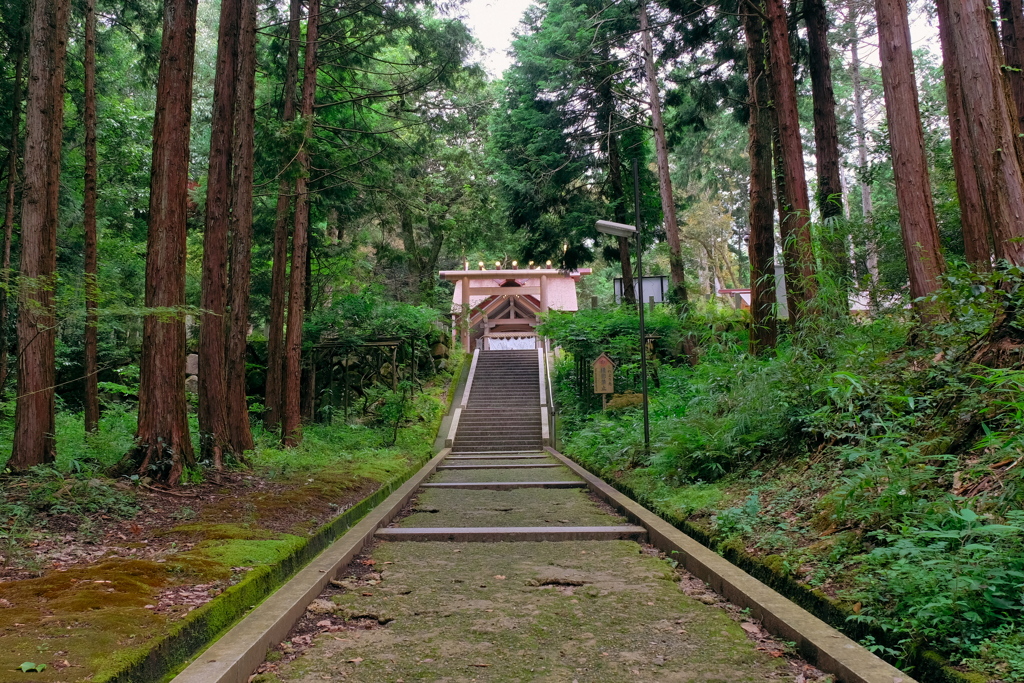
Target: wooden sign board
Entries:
(604, 375)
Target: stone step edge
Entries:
(493, 534)
(531, 454)
(498, 457)
(523, 466)
(505, 485)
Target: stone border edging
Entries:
(235, 655)
(464, 399)
(822, 645)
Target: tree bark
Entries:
(163, 447)
(239, 435)
(862, 147)
(790, 262)
(8, 235)
(826, 142)
(610, 146)
(668, 204)
(761, 243)
(629, 296)
(278, 277)
(1012, 18)
(910, 165)
(291, 422)
(992, 124)
(796, 231)
(213, 382)
(92, 393)
(34, 418)
(974, 220)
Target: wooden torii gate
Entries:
(506, 303)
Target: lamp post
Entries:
(623, 230)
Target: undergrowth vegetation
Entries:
(76, 488)
(871, 459)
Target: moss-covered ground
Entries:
(517, 507)
(525, 474)
(88, 588)
(584, 611)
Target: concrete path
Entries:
(509, 610)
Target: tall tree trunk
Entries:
(1012, 18)
(213, 382)
(629, 291)
(797, 245)
(44, 117)
(910, 165)
(974, 220)
(992, 125)
(8, 235)
(790, 261)
(668, 204)
(163, 447)
(279, 275)
(610, 146)
(92, 393)
(862, 146)
(308, 381)
(239, 435)
(291, 422)
(826, 142)
(761, 244)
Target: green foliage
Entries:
(1005, 648)
(367, 316)
(561, 136)
(834, 459)
(891, 477)
(48, 490)
(739, 520)
(949, 578)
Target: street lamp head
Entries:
(616, 229)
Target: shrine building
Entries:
(498, 309)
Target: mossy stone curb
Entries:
(202, 626)
(926, 665)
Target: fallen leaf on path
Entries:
(752, 629)
(355, 660)
(499, 576)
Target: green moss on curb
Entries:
(204, 625)
(771, 571)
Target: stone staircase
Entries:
(503, 413)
